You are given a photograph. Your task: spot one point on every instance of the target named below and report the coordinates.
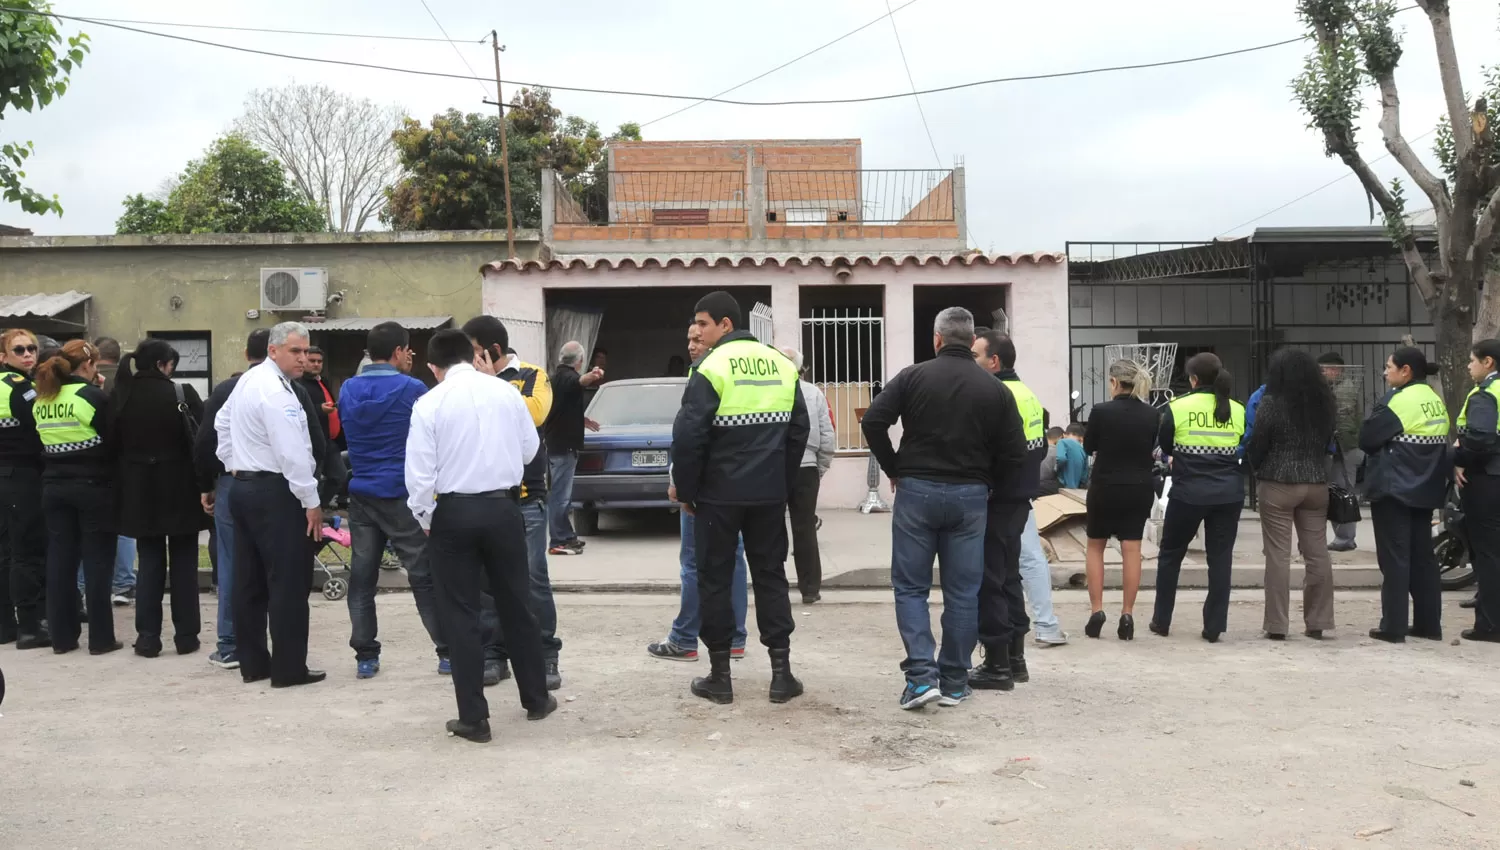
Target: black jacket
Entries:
(20, 446)
(205, 450)
(96, 462)
(1122, 437)
(1413, 474)
(1479, 441)
(958, 424)
(313, 387)
(1028, 480)
(742, 465)
(157, 491)
(563, 432)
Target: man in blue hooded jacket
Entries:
(375, 411)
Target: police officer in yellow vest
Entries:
(23, 553)
(1003, 623)
(1200, 435)
(77, 496)
(737, 444)
(1407, 467)
(1478, 473)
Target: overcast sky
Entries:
(1176, 153)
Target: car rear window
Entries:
(636, 404)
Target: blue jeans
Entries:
(685, 628)
(560, 497)
(124, 575)
(543, 608)
(948, 521)
(224, 534)
(374, 523)
(1036, 576)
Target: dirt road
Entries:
(1157, 743)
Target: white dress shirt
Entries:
(262, 427)
(472, 434)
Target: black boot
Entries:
(784, 686)
(716, 686)
(995, 673)
(1018, 659)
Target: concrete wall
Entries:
(133, 279)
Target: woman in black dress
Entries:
(158, 494)
(1122, 438)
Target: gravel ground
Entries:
(1157, 743)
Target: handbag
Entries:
(189, 424)
(1343, 506)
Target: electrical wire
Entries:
(274, 31)
(912, 80)
(665, 96)
(1301, 198)
(858, 29)
(483, 89)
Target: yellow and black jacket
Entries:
(536, 390)
(74, 431)
(19, 444)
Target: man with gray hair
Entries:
(802, 501)
(563, 434)
(264, 443)
(961, 438)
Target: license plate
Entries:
(648, 459)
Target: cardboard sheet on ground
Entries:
(1052, 511)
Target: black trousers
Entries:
(155, 553)
(1482, 516)
(475, 538)
(1408, 567)
(1002, 607)
(80, 516)
(23, 560)
(803, 506)
(716, 534)
(1221, 524)
(273, 559)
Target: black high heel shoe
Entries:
(1127, 627)
(1096, 624)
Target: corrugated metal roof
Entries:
(851, 259)
(40, 306)
(355, 324)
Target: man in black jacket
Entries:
(213, 484)
(961, 437)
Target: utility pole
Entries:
(510, 225)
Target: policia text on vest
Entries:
(737, 444)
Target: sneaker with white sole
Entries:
(669, 651)
(224, 661)
(952, 698)
(1057, 638)
(918, 696)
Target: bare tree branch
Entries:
(1438, 14)
(1487, 232)
(1421, 275)
(1395, 142)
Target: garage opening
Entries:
(986, 301)
(843, 350)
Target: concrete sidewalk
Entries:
(638, 552)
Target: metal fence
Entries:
(653, 197)
(860, 196)
(844, 350)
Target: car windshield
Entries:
(636, 404)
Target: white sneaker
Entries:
(1057, 638)
(120, 599)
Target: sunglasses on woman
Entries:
(23, 349)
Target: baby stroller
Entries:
(330, 561)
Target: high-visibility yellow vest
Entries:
(7, 386)
(1198, 431)
(756, 384)
(1488, 385)
(66, 423)
(1030, 408)
(1424, 417)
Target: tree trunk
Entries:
(1453, 323)
(1487, 325)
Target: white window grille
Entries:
(844, 350)
(761, 325)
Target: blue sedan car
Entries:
(623, 465)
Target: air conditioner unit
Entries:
(294, 290)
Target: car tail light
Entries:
(591, 462)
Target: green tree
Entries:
(234, 188)
(32, 74)
(1357, 48)
(452, 177)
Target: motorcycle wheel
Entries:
(1453, 562)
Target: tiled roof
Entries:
(850, 259)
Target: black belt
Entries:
(513, 494)
(254, 474)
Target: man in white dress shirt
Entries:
(264, 443)
(465, 454)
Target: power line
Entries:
(912, 80)
(665, 96)
(889, 13)
(482, 89)
(268, 30)
(1304, 197)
